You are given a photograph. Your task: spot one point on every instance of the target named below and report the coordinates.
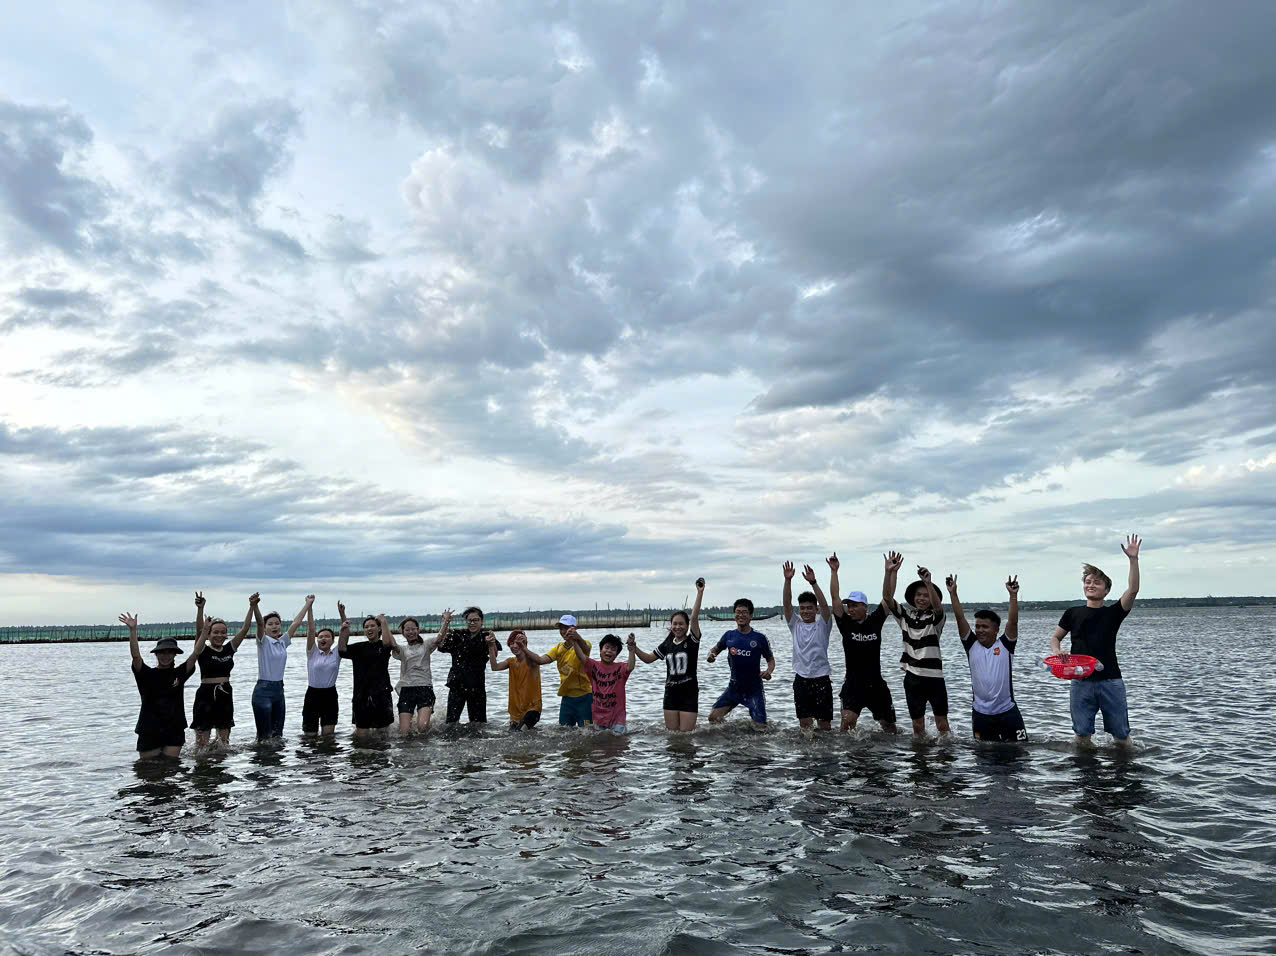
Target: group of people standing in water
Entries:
(592, 690)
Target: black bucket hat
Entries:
(912, 589)
(167, 644)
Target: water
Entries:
(472, 840)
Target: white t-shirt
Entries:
(811, 646)
(414, 663)
(991, 679)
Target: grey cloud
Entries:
(57, 308)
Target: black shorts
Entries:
(319, 709)
(412, 699)
(372, 711)
(683, 697)
(214, 708)
(530, 720)
(473, 700)
(873, 693)
(155, 738)
(813, 697)
(920, 691)
(1006, 726)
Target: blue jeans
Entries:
(268, 708)
(1091, 696)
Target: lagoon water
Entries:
(557, 841)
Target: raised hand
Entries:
(699, 584)
(789, 570)
(894, 560)
(1131, 546)
(208, 626)
(199, 598)
(924, 574)
(489, 637)
(1012, 584)
(950, 582)
(341, 611)
(631, 640)
(129, 620)
(254, 599)
(833, 562)
(808, 573)
(447, 616)
(310, 599)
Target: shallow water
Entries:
(726, 840)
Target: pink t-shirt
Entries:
(609, 691)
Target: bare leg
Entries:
(826, 725)
(849, 721)
(941, 724)
(1124, 743)
(172, 752)
(919, 727)
(719, 714)
(687, 720)
(423, 718)
(672, 718)
(201, 739)
(806, 722)
(888, 726)
(405, 724)
(149, 754)
(327, 730)
(223, 736)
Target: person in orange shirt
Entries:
(525, 678)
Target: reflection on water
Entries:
(474, 839)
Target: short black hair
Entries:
(472, 610)
(405, 621)
(742, 602)
(328, 629)
(988, 615)
(370, 617)
(275, 615)
(613, 639)
(806, 597)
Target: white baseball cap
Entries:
(856, 597)
(567, 620)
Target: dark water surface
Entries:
(726, 840)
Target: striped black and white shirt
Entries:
(921, 630)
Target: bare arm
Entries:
(198, 649)
(248, 618)
(130, 620)
(301, 615)
(835, 594)
(1131, 549)
(491, 655)
(310, 627)
(789, 571)
(387, 632)
(633, 651)
(1056, 640)
(936, 599)
(959, 615)
(808, 573)
(1012, 616)
(541, 659)
(444, 632)
(647, 656)
(694, 625)
(770, 667)
(893, 561)
(199, 613)
(261, 625)
(343, 638)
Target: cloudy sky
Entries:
(547, 304)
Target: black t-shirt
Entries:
(680, 659)
(862, 644)
(216, 661)
(371, 661)
(469, 658)
(1094, 632)
(163, 701)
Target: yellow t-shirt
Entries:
(525, 688)
(572, 680)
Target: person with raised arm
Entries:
(921, 621)
(810, 628)
(161, 721)
(994, 711)
(269, 708)
(467, 677)
(1094, 627)
(371, 706)
(745, 648)
(214, 707)
(416, 680)
(607, 677)
(861, 633)
(575, 692)
(680, 650)
(525, 678)
(319, 710)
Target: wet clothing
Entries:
(576, 711)
(1005, 726)
(319, 709)
(746, 652)
(873, 694)
(322, 669)
(680, 659)
(269, 708)
(528, 721)
(683, 697)
(162, 716)
(473, 700)
(991, 673)
(609, 682)
(412, 699)
(272, 657)
(754, 702)
(920, 691)
(525, 689)
(214, 707)
(1094, 632)
(414, 663)
(371, 703)
(572, 681)
(216, 662)
(862, 644)
(1088, 698)
(920, 630)
(469, 660)
(813, 697)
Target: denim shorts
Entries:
(1092, 696)
(576, 711)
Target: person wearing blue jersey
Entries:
(745, 648)
(994, 711)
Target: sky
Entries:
(556, 304)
